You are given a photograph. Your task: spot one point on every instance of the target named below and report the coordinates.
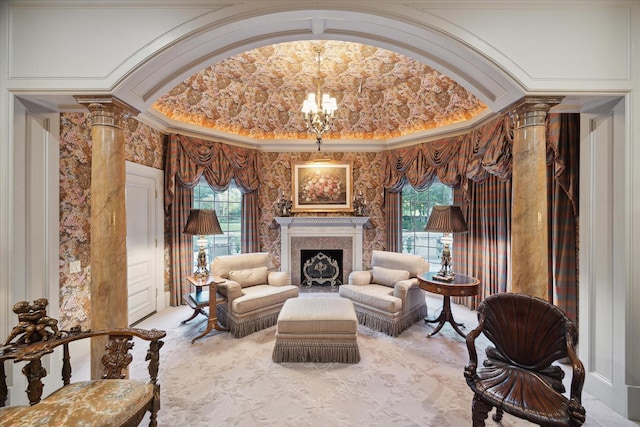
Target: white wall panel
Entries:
(88, 40)
(548, 43)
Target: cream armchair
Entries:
(254, 294)
(387, 298)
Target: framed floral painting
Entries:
(324, 186)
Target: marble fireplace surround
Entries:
(297, 233)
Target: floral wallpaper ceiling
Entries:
(259, 93)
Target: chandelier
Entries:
(318, 111)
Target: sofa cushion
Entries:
(388, 276)
(250, 276)
(414, 264)
(260, 296)
(279, 278)
(223, 264)
(377, 296)
(99, 403)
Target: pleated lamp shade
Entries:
(446, 219)
(202, 222)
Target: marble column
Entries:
(529, 223)
(108, 288)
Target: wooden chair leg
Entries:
(497, 417)
(479, 410)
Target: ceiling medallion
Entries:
(318, 111)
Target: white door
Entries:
(144, 241)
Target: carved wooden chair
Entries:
(518, 375)
(113, 400)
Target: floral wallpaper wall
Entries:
(147, 146)
(275, 169)
(143, 145)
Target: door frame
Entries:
(34, 201)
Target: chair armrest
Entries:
(578, 373)
(402, 287)
(576, 410)
(279, 278)
(360, 278)
(230, 289)
(470, 339)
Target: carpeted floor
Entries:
(409, 380)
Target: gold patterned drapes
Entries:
(454, 161)
(465, 162)
(187, 160)
(190, 158)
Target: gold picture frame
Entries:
(322, 186)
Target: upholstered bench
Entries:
(317, 329)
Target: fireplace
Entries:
(312, 233)
(321, 267)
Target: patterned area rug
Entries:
(409, 380)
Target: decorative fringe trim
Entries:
(316, 352)
(390, 327)
(246, 327)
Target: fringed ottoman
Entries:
(317, 330)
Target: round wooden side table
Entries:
(460, 286)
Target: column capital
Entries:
(532, 110)
(107, 110)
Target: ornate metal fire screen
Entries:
(321, 267)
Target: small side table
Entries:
(461, 286)
(200, 299)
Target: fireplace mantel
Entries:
(321, 227)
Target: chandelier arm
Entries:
(318, 112)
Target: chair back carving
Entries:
(527, 332)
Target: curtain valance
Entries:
(454, 161)
(189, 158)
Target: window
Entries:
(416, 208)
(228, 207)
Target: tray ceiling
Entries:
(259, 93)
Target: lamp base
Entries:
(203, 269)
(445, 272)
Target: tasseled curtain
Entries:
(181, 245)
(454, 161)
(393, 220)
(478, 165)
(563, 180)
(485, 251)
(187, 160)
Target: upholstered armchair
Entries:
(387, 298)
(254, 294)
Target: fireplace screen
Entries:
(321, 267)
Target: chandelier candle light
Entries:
(447, 220)
(318, 111)
(202, 222)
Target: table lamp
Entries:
(202, 222)
(447, 220)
